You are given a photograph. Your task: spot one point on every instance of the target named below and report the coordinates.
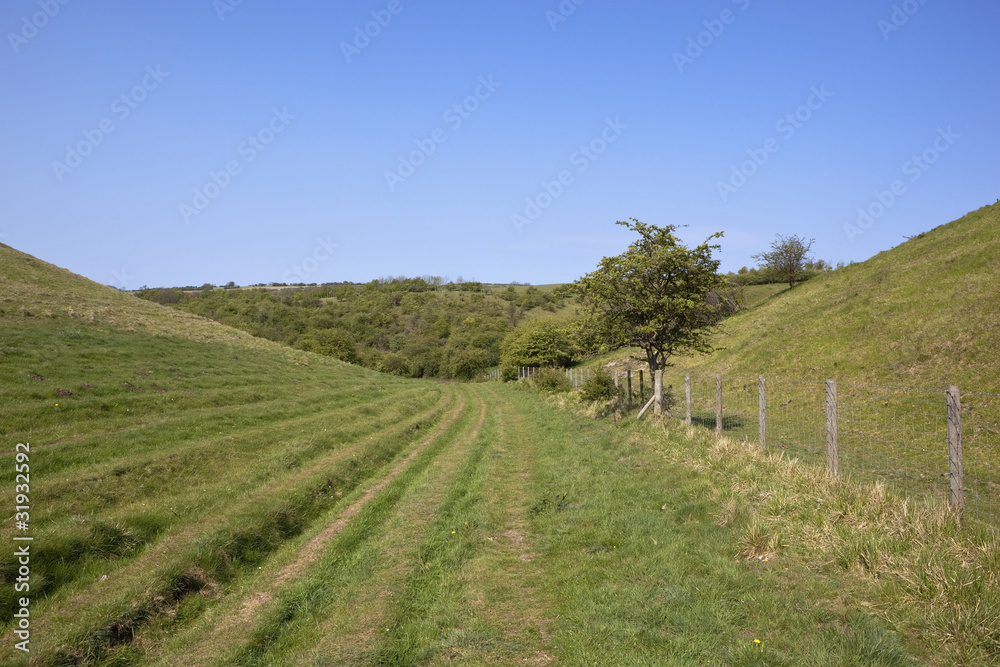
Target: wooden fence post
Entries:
(616, 378)
(658, 392)
(762, 411)
(642, 390)
(687, 399)
(718, 404)
(956, 496)
(832, 429)
(628, 378)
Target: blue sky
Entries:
(171, 143)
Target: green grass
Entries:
(923, 314)
(573, 539)
(168, 467)
(755, 295)
(271, 507)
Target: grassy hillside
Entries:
(925, 314)
(199, 497)
(33, 289)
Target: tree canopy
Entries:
(655, 295)
(787, 258)
(536, 343)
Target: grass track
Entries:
(252, 609)
(576, 541)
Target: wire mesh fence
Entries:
(940, 445)
(576, 376)
(981, 455)
(907, 438)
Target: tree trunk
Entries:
(651, 360)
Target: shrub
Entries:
(551, 379)
(508, 372)
(465, 363)
(537, 343)
(598, 387)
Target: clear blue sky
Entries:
(662, 131)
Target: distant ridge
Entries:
(32, 288)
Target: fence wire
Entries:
(981, 456)
(896, 435)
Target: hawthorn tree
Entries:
(787, 258)
(655, 296)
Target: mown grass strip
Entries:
(256, 604)
(374, 580)
(301, 607)
(112, 513)
(428, 605)
(107, 615)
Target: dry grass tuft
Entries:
(933, 577)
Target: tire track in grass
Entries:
(66, 549)
(428, 611)
(312, 550)
(87, 627)
(502, 606)
(345, 635)
(302, 604)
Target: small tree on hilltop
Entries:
(788, 257)
(655, 295)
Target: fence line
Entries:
(576, 376)
(924, 443)
(940, 444)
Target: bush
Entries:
(466, 363)
(508, 372)
(538, 343)
(551, 379)
(598, 387)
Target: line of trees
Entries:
(404, 326)
(659, 296)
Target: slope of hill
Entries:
(925, 314)
(31, 288)
(167, 454)
(198, 497)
